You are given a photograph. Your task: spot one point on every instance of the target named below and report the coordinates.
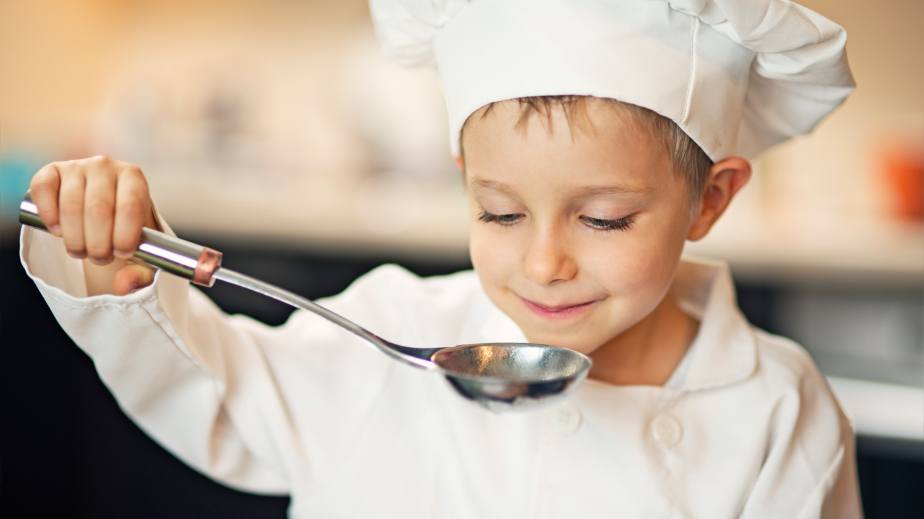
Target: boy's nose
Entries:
(547, 261)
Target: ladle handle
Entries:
(202, 266)
(180, 257)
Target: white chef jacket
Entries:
(749, 427)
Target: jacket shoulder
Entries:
(784, 361)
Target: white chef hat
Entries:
(737, 75)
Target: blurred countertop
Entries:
(880, 410)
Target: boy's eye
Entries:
(502, 219)
(600, 224)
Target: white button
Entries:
(569, 420)
(666, 430)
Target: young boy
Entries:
(582, 197)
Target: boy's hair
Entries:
(690, 162)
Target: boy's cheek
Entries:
(489, 251)
(636, 264)
(490, 259)
(621, 268)
(495, 262)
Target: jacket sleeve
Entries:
(809, 469)
(246, 404)
(836, 494)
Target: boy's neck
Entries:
(649, 352)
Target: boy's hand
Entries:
(98, 206)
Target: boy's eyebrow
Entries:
(583, 191)
(613, 190)
(491, 184)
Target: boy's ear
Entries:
(726, 177)
(460, 163)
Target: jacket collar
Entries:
(724, 350)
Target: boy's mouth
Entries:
(563, 311)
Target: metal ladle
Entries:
(497, 376)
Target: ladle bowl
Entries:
(505, 376)
(511, 376)
(497, 376)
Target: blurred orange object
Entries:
(902, 164)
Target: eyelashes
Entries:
(619, 224)
(599, 224)
(502, 219)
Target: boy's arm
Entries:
(809, 470)
(838, 494)
(247, 404)
(177, 396)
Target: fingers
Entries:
(132, 277)
(70, 207)
(44, 191)
(96, 205)
(132, 211)
(99, 209)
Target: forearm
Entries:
(176, 391)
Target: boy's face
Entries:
(576, 235)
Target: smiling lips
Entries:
(558, 312)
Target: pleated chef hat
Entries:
(737, 75)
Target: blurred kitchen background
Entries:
(275, 131)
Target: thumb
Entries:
(132, 277)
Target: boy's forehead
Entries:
(611, 161)
(595, 137)
(515, 171)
